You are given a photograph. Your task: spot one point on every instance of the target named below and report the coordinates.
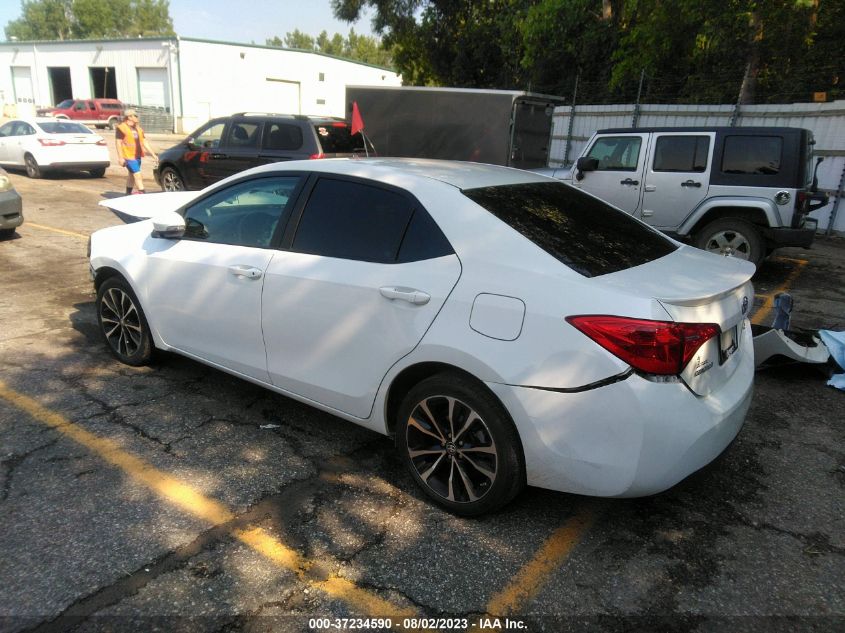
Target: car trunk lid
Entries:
(697, 287)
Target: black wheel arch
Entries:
(412, 375)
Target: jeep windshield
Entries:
(581, 231)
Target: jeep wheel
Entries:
(732, 237)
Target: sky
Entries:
(242, 21)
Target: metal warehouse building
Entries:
(181, 82)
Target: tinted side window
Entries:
(282, 136)
(423, 239)
(752, 155)
(243, 134)
(616, 153)
(245, 214)
(353, 221)
(681, 153)
(589, 236)
(6, 130)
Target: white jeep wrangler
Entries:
(736, 191)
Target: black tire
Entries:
(97, 173)
(123, 324)
(33, 170)
(112, 123)
(6, 233)
(732, 237)
(171, 180)
(476, 440)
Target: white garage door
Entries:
(280, 96)
(154, 87)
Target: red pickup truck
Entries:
(99, 112)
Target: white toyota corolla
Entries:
(504, 327)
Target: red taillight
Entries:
(653, 347)
(338, 124)
(101, 142)
(802, 201)
(50, 142)
(317, 156)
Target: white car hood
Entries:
(142, 207)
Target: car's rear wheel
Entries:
(460, 445)
(112, 123)
(123, 323)
(171, 180)
(33, 170)
(98, 173)
(732, 237)
(6, 233)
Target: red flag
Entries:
(357, 121)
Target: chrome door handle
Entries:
(411, 295)
(249, 272)
(629, 181)
(651, 187)
(690, 183)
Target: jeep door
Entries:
(618, 177)
(677, 176)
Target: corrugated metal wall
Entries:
(826, 120)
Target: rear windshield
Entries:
(64, 127)
(589, 236)
(335, 138)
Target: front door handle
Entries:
(411, 295)
(248, 272)
(629, 181)
(651, 187)
(690, 183)
(218, 156)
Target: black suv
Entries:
(227, 145)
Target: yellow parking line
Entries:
(549, 557)
(55, 230)
(764, 310)
(209, 510)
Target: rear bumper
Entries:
(629, 439)
(11, 210)
(792, 237)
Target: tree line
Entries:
(699, 51)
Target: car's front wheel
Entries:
(460, 445)
(171, 180)
(732, 237)
(123, 323)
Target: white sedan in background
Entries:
(46, 144)
(504, 327)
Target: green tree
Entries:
(90, 19)
(362, 48)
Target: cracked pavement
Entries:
(755, 541)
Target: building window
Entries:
(321, 102)
(322, 77)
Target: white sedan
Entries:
(504, 327)
(46, 144)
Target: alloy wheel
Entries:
(451, 449)
(729, 243)
(121, 322)
(171, 181)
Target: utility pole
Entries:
(636, 118)
(571, 120)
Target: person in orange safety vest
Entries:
(131, 147)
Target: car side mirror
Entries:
(169, 225)
(585, 164)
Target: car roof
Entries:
(750, 130)
(463, 175)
